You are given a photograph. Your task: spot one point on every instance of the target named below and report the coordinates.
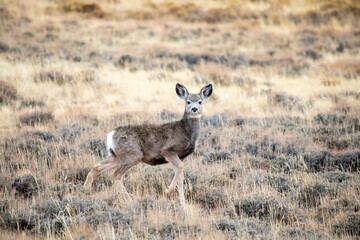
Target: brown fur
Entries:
(156, 144)
(151, 142)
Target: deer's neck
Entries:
(192, 127)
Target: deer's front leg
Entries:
(179, 169)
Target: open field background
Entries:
(279, 152)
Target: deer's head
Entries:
(194, 102)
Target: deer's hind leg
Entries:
(109, 163)
(122, 168)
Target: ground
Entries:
(279, 152)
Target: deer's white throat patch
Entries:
(194, 116)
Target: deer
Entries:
(155, 144)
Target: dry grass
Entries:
(279, 152)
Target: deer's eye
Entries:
(200, 102)
(188, 102)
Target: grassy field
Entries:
(279, 152)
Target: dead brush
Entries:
(89, 9)
(37, 117)
(8, 93)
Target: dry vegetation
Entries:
(279, 153)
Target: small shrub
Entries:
(329, 119)
(172, 230)
(280, 182)
(46, 136)
(8, 93)
(50, 208)
(312, 54)
(252, 148)
(35, 149)
(310, 196)
(216, 120)
(27, 185)
(12, 166)
(239, 228)
(19, 221)
(297, 233)
(61, 189)
(346, 161)
(151, 180)
(216, 157)
(97, 147)
(112, 215)
(54, 77)
(56, 215)
(168, 115)
(263, 208)
(285, 101)
(92, 9)
(210, 198)
(34, 118)
(317, 160)
(235, 172)
(5, 183)
(31, 103)
(78, 176)
(125, 60)
(349, 226)
(4, 205)
(72, 133)
(337, 176)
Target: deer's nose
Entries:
(194, 109)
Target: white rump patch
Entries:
(110, 142)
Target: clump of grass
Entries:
(150, 181)
(18, 221)
(8, 93)
(36, 117)
(90, 9)
(310, 196)
(97, 147)
(280, 181)
(240, 228)
(298, 233)
(58, 215)
(172, 229)
(35, 148)
(348, 161)
(217, 157)
(31, 103)
(43, 135)
(4, 205)
(78, 176)
(53, 76)
(337, 176)
(28, 185)
(285, 101)
(263, 208)
(349, 226)
(210, 198)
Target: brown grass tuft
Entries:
(89, 9)
(36, 117)
(8, 93)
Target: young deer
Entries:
(151, 144)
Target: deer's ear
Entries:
(181, 91)
(206, 91)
